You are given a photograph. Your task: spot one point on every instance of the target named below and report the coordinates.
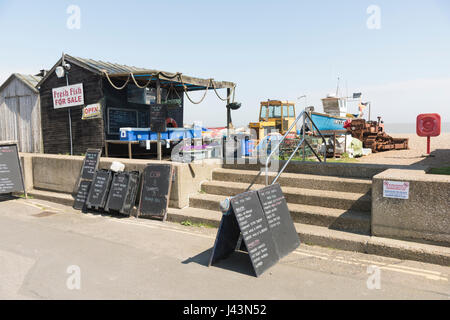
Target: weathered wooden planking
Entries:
(55, 123)
(20, 115)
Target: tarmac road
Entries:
(48, 250)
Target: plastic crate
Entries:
(135, 134)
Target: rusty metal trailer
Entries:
(372, 134)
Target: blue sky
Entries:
(271, 49)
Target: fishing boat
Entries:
(335, 112)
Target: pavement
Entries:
(50, 251)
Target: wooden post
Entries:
(334, 143)
(228, 112)
(106, 149)
(158, 101)
(345, 146)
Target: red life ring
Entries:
(171, 123)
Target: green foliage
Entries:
(189, 223)
(443, 170)
(23, 196)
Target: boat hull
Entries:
(325, 122)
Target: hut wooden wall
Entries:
(20, 118)
(55, 122)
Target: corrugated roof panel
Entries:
(121, 70)
(111, 68)
(29, 80)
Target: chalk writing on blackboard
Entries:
(11, 178)
(261, 220)
(156, 187)
(90, 164)
(121, 118)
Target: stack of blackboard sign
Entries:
(155, 191)
(11, 176)
(258, 222)
(88, 170)
(116, 192)
(123, 193)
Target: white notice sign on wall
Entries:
(396, 190)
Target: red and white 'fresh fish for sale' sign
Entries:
(69, 96)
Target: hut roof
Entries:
(142, 75)
(28, 79)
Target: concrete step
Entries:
(206, 201)
(322, 236)
(296, 180)
(195, 215)
(351, 170)
(320, 198)
(56, 197)
(338, 219)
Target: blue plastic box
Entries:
(143, 134)
(135, 134)
(177, 133)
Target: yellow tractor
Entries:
(274, 115)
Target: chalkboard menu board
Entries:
(90, 164)
(123, 192)
(99, 190)
(82, 195)
(228, 237)
(155, 192)
(262, 220)
(143, 119)
(255, 231)
(279, 219)
(11, 178)
(121, 118)
(158, 117)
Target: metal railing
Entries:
(305, 115)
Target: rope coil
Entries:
(113, 85)
(210, 84)
(140, 87)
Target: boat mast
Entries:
(337, 90)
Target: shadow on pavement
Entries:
(236, 262)
(7, 197)
(438, 158)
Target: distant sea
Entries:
(409, 127)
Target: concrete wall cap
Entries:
(411, 175)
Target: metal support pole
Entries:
(158, 101)
(304, 135)
(70, 121)
(70, 133)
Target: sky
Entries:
(270, 49)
